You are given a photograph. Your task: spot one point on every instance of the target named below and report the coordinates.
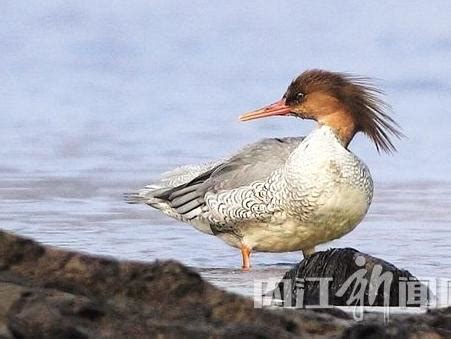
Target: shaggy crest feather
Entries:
(360, 97)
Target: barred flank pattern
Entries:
(295, 188)
(296, 184)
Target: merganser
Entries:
(286, 194)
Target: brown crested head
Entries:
(346, 103)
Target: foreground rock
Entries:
(50, 293)
(349, 278)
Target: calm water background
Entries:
(99, 97)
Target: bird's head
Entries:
(348, 104)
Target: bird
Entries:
(292, 193)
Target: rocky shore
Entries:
(51, 293)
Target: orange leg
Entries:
(246, 253)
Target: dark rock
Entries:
(352, 278)
(58, 294)
(50, 293)
(433, 324)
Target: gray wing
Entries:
(253, 163)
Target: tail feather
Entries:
(134, 198)
(156, 196)
(147, 195)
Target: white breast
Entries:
(326, 192)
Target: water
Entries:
(98, 100)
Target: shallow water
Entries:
(96, 101)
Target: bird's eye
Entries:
(300, 96)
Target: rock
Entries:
(51, 293)
(60, 294)
(349, 278)
(433, 324)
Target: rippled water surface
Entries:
(97, 100)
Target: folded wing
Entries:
(228, 181)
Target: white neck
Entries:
(321, 142)
(324, 134)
